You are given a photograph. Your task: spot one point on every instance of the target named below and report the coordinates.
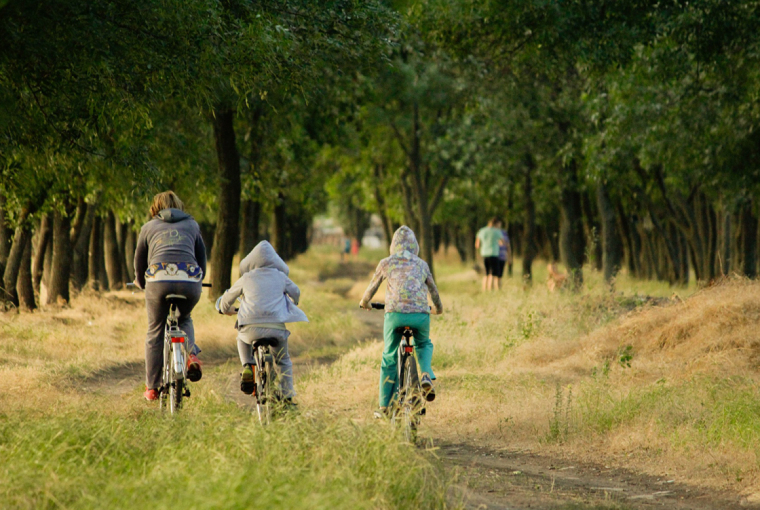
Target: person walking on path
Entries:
(488, 241)
(170, 258)
(505, 255)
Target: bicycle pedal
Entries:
(186, 393)
(422, 412)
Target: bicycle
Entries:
(408, 403)
(266, 389)
(174, 371)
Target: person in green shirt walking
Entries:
(488, 241)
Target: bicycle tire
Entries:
(175, 395)
(410, 400)
(163, 397)
(263, 406)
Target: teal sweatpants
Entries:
(420, 323)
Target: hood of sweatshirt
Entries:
(172, 215)
(404, 240)
(263, 255)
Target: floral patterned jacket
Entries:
(409, 277)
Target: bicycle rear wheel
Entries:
(410, 400)
(175, 395)
(263, 402)
(163, 391)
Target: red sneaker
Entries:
(194, 372)
(151, 394)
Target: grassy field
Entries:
(75, 431)
(657, 379)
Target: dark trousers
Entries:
(158, 309)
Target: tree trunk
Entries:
(279, 228)
(130, 244)
(727, 242)
(122, 231)
(61, 264)
(15, 259)
(593, 232)
(24, 286)
(380, 199)
(249, 226)
(226, 237)
(6, 235)
(571, 227)
(749, 225)
(530, 243)
(44, 238)
(79, 263)
(612, 246)
(111, 252)
(95, 256)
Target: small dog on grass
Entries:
(556, 280)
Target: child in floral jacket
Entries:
(406, 304)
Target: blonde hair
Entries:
(165, 200)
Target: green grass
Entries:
(704, 411)
(214, 455)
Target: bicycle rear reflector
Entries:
(178, 339)
(408, 348)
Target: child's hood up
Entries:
(263, 255)
(404, 240)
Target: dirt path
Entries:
(511, 479)
(489, 479)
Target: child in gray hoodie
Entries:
(268, 300)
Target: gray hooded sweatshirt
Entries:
(265, 288)
(170, 236)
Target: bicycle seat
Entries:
(169, 297)
(271, 342)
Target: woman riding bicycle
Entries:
(170, 258)
(409, 281)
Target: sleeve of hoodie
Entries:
(141, 258)
(226, 301)
(292, 290)
(200, 250)
(433, 289)
(380, 274)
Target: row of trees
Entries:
(103, 103)
(623, 135)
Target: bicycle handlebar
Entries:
(133, 286)
(377, 306)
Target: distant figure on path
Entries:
(505, 254)
(346, 249)
(489, 241)
(355, 248)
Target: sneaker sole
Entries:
(429, 392)
(247, 384)
(194, 372)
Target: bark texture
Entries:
(226, 240)
(572, 245)
(111, 252)
(612, 246)
(61, 263)
(24, 286)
